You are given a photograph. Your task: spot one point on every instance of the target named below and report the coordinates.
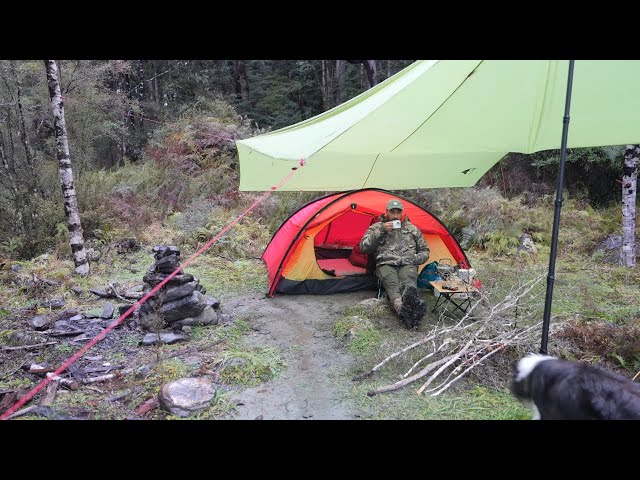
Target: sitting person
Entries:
(398, 249)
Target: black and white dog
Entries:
(557, 389)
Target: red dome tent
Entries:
(313, 250)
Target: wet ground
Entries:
(301, 327)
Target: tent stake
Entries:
(556, 216)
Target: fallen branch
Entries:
(113, 289)
(119, 396)
(37, 280)
(107, 377)
(70, 384)
(453, 358)
(19, 413)
(54, 333)
(472, 342)
(102, 294)
(105, 369)
(391, 357)
(95, 389)
(35, 368)
(407, 381)
(49, 395)
(446, 342)
(112, 293)
(477, 362)
(27, 347)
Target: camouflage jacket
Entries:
(403, 246)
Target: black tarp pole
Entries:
(556, 216)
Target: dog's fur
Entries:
(557, 389)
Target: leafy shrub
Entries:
(619, 344)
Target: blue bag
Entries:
(428, 274)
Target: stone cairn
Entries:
(181, 302)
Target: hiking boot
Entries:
(413, 309)
(410, 297)
(418, 312)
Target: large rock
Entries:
(184, 396)
(178, 291)
(162, 251)
(212, 302)
(154, 279)
(167, 264)
(183, 307)
(41, 322)
(208, 316)
(612, 248)
(107, 310)
(527, 245)
(371, 302)
(54, 304)
(168, 338)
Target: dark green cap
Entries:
(394, 204)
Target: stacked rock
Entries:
(181, 301)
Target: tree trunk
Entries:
(368, 70)
(154, 83)
(328, 84)
(8, 169)
(244, 79)
(140, 89)
(159, 67)
(371, 68)
(341, 76)
(124, 125)
(130, 115)
(629, 183)
(237, 88)
(10, 133)
(76, 238)
(33, 180)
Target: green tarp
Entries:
(444, 123)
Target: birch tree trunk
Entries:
(76, 238)
(140, 91)
(629, 183)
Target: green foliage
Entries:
(362, 336)
(365, 341)
(499, 244)
(11, 247)
(251, 367)
(171, 369)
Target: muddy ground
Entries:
(301, 327)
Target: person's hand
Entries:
(388, 226)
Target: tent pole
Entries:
(556, 216)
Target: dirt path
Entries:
(301, 326)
